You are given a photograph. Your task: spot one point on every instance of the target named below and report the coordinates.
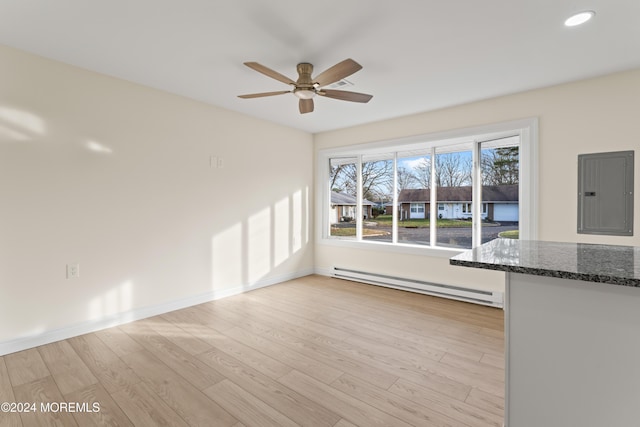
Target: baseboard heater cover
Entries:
(477, 296)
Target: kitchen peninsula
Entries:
(572, 331)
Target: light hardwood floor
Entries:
(310, 352)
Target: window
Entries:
(417, 208)
(455, 190)
(413, 182)
(453, 175)
(466, 208)
(377, 188)
(500, 178)
(343, 189)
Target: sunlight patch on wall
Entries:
(250, 250)
(281, 231)
(19, 125)
(97, 147)
(115, 301)
(12, 135)
(296, 221)
(307, 218)
(258, 245)
(227, 258)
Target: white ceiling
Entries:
(418, 55)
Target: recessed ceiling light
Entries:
(579, 18)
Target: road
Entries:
(459, 237)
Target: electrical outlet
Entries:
(73, 271)
(216, 162)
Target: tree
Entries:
(500, 166)
(343, 179)
(336, 178)
(376, 176)
(453, 170)
(406, 178)
(423, 173)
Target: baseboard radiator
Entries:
(476, 296)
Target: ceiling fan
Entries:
(306, 87)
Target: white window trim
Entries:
(528, 187)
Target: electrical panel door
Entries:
(605, 193)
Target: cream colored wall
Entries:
(116, 177)
(595, 115)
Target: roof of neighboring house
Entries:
(490, 193)
(346, 200)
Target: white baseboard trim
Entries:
(47, 337)
(487, 297)
(321, 271)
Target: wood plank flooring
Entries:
(309, 352)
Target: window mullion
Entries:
(359, 198)
(394, 216)
(433, 201)
(476, 198)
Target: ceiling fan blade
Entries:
(344, 95)
(260, 95)
(269, 72)
(337, 72)
(305, 105)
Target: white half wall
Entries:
(162, 201)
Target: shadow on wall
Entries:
(246, 252)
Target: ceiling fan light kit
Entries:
(304, 93)
(307, 87)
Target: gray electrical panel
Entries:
(605, 193)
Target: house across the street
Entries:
(343, 207)
(499, 203)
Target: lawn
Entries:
(512, 234)
(351, 231)
(422, 223)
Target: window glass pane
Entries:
(448, 164)
(453, 172)
(414, 181)
(343, 186)
(500, 165)
(377, 193)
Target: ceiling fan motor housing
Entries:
(304, 88)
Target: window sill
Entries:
(401, 248)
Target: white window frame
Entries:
(526, 129)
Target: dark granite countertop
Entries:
(617, 265)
